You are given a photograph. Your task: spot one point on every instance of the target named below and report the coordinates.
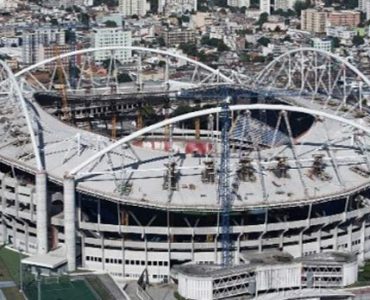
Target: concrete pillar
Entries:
(102, 250)
(123, 258)
(3, 207)
(361, 255)
(349, 241)
(319, 241)
(14, 225)
(301, 243)
(83, 251)
(42, 213)
(335, 238)
(16, 186)
(70, 221)
(4, 229)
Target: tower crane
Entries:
(62, 89)
(224, 188)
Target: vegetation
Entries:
(189, 49)
(301, 5)
(264, 41)
(110, 23)
(263, 19)
(99, 287)
(123, 77)
(213, 42)
(335, 42)
(358, 40)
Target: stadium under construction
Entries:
(225, 183)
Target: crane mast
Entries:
(62, 79)
(224, 192)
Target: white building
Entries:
(284, 4)
(239, 3)
(267, 272)
(133, 7)
(341, 32)
(322, 44)
(265, 6)
(177, 6)
(364, 6)
(112, 36)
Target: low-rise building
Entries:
(322, 44)
(349, 18)
(178, 36)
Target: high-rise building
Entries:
(265, 6)
(133, 7)
(112, 36)
(313, 20)
(239, 3)
(364, 6)
(284, 4)
(177, 6)
(33, 40)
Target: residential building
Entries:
(364, 6)
(322, 44)
(52, 50)
(33, 40)
(284, 4)
(341, 32)
(313, 20)
(177, 6)
(112, 36)
(239, 3)
(178, 36)
(265, 6)
(349, 18)
(133, 7)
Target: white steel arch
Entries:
(340, 59)
(114, 48)
(321, 75)
(215, 110)
(19, 94)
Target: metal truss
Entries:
(99, 71)
(318, 76)
(19, 124)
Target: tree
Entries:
(189, 49)
(123, 77)
(85, 19)
(301, 5)
(358, 40)
(263, 18)
(335, 42)
(264, 41)
(110, 23)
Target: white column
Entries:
(335, 238)
(42, 213)
(361, 255)
(349, 241)
(3, 207)
(70, 221)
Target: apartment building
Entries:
(313, 20)
(112, 36)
